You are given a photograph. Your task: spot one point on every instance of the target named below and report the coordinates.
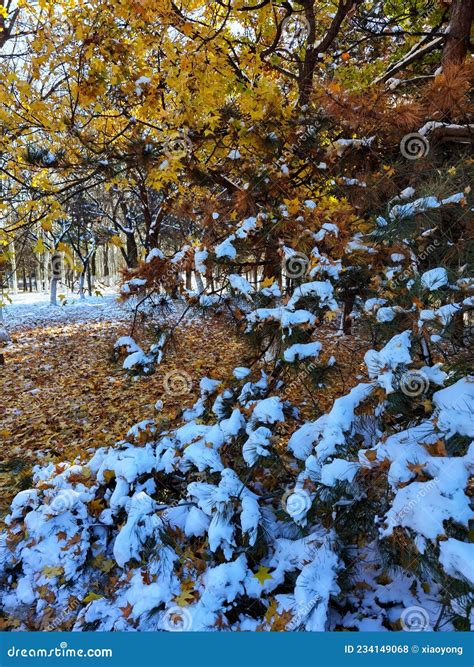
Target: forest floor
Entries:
(63, 394)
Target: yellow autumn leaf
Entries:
(330, 315)
(184, 598)
(90, 597)
(39, 248)
(63, 247)
(263, 574)
(271, 611)
(109, 475)
(51, 571)
(103, 564)
(268, 282)
(117, 241)
(427, 405)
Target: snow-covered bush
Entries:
(221, 522)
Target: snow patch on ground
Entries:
(31, 310)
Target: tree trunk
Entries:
(37, 273)
(425, 350)
(39, 263)
(82, 280)
(63, 270)
(272, 266)
(14, 276)
(313, 50)
(132, 252)
(106, 264)
(93, 268)
(199, 283)
(458, 38)
(56, 266)
(54, 292)
(89, 279)
(46, 257)
(349, 301)
(210, 282)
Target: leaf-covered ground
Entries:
(64, 394)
